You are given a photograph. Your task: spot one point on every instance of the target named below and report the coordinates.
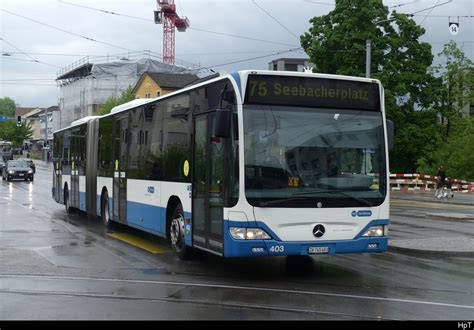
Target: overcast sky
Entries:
(32, 53)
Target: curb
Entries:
(430, 253)
(448, 218)
(430, 201)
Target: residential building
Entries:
(290, 64)
(40, 119)
(154, 84)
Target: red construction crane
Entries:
(170, 19)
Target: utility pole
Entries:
(368, 57)
(46, 136)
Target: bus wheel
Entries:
(105, 211)
(177, 234)
(67, 201)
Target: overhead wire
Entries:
(275, 19)
(22, 52)
(253, 58)
(65, 31)
(190, 28)
(430, 12)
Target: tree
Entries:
(455, 145)
(17, 135)
(7, 107)
(458, 82)
(456, 154)
(111, 102)
(336, 43)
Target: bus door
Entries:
(75, 183)
(58, 185)
(208, 194)
(74, 189)
(121, 136)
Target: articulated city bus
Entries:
(255, 163)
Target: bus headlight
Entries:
(375, 231)
(239, 233)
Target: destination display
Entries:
(312, 92)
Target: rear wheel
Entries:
(177, 229)
(105, 210)
(67, 201)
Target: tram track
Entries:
(173, 286)
(194, 302)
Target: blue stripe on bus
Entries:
(236, 76)
(276, 247)
(146, 217)
(82, 201)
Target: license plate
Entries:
(318, 249)
(21, 174)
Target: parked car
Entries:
(30, 163)
(17, 169)
(2, 165)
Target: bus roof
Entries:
(240, 74)
(77, 123)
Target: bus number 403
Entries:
(277, 249)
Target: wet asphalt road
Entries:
(59, 267)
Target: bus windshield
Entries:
(313, 157)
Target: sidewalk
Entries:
(460, 246)
(427, 196)
(442, 246)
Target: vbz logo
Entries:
(151, 190)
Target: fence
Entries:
(415, 181)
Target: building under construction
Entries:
(85, 86)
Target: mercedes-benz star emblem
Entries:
(318, 231)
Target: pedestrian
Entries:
(440, 182)
(449, 186)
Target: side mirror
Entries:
(222, 123)
(390, 134)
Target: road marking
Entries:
(141, 243)
(429, 204)
(247, 288)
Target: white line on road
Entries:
(221, 286)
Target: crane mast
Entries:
(167, 15)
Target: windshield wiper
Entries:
(282, 200)
(340, 192)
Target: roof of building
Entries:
(169, 80)
(292, 60)
(21, 111)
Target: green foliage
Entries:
(336, 44)
(457, 76)
(10, 132)
(7, 107)
(456, 154)
(111, 102)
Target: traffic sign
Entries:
(453, 28)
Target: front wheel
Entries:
(177, 229)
